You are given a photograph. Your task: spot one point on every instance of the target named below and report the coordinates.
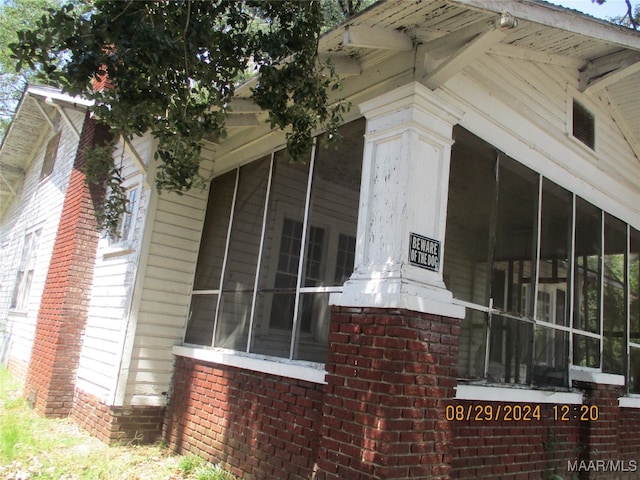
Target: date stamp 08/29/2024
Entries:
(521, 412)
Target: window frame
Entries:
(26, 271)
(122, 244)
(50, 155)
(570, 329)
(332, 228)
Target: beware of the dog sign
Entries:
(424, 252)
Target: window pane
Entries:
(24, 276)
(551, 357)
(311, 344)
(280, 258)
(510, 350)
(335, 198)
(555, 241)
(244, 246)
(127, 217)
(614, 311)
(634, 286)
(345, 258)
(473, 344)
(200, 324)
(515, 246)
(210, 259)
(586, 308)
(586, 351)
(472, 181)
(634, 374)
(214, 234)
(50, 155)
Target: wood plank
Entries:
(463, 57)
(376, 38)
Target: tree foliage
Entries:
(174, 67)
(15, 15)
(631, 17)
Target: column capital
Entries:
(413, 96)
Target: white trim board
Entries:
(284, 368)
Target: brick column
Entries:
(390, 376)
(393, 342)
(599, 437)
(63, 310)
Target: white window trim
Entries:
(490, 393)
(296, 369)
(591, 375)
(124, 246)
(632, 401)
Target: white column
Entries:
(403, 203)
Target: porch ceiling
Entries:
(451, 34)
(605, 57)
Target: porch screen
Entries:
(541, 271)
(279, 237)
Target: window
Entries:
(587, 272)
(542, 272)
(50, 156)
(278, 238)
(20, 297)
(583, 127)
(127, 220)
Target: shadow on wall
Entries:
(262, 426)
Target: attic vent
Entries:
(583, 125)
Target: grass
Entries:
(35, 448)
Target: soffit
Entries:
(605, 57)
(28, 129)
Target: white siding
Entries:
(160, 312)
(37, 207)
(112, 287)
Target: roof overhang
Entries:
(32, 123)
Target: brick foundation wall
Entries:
(258, 426)
(113, 425)
(599, 438)
(50, 380)
(629, 435)
(604, 447)
(383, 414)
(510, 449)
(390, 375)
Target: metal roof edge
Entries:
(556, 16)
(45, 92)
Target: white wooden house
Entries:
(452, 291)
(35, 164)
